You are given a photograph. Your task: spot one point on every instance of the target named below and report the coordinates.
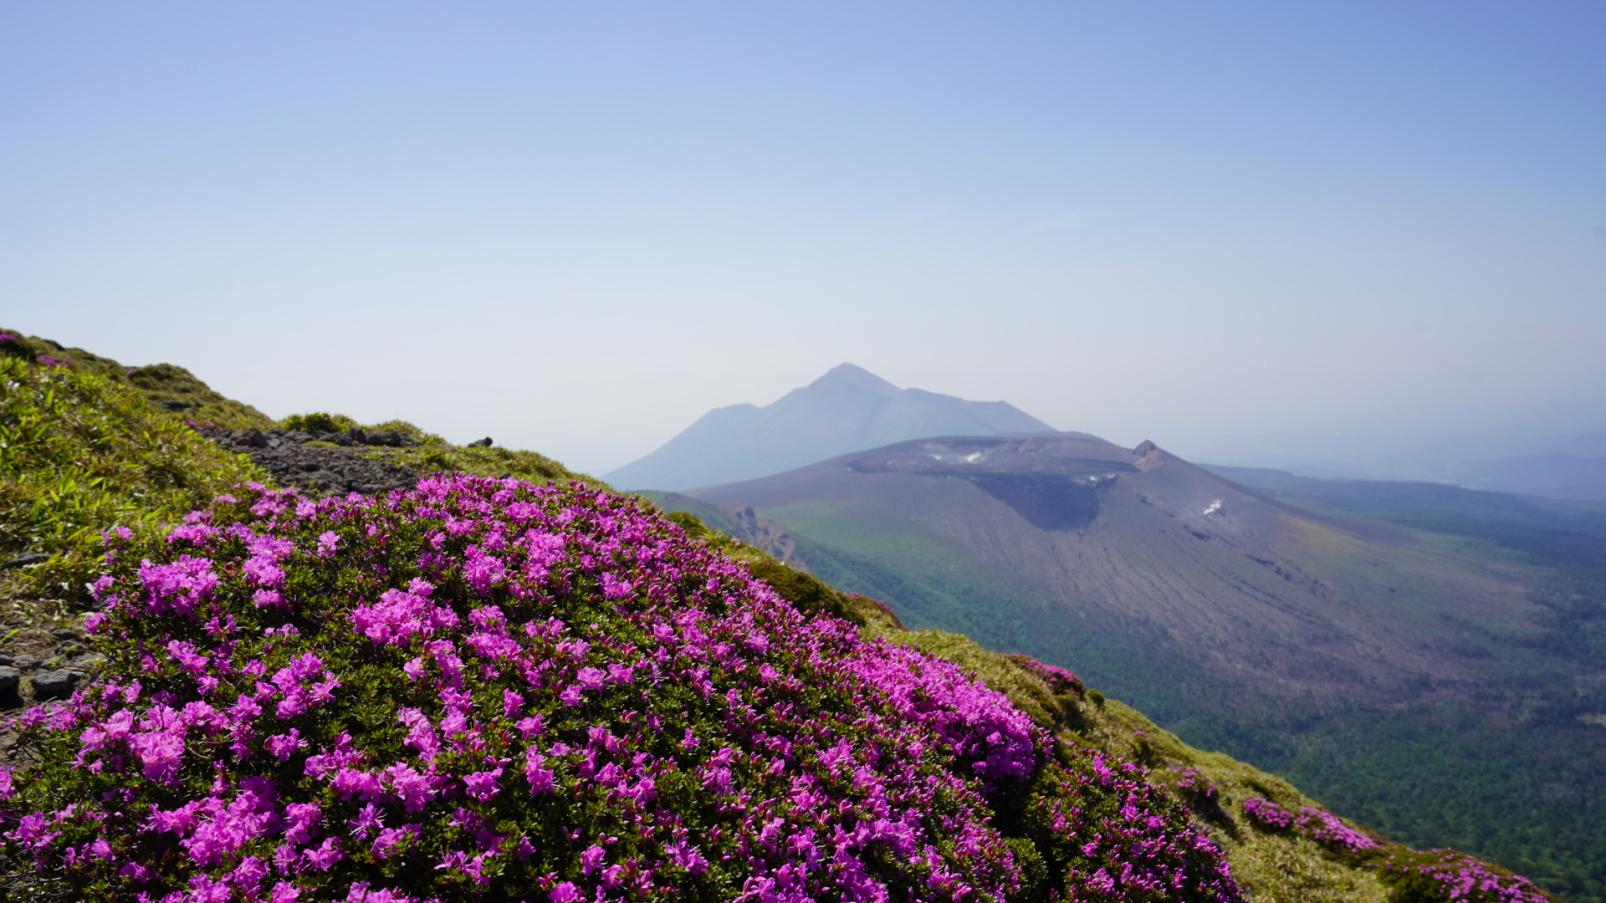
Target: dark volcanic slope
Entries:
(847, 409)
(1260, 596)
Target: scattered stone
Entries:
(481, 443)
(9, 678)
(7, 660)
(26, 559)
(54, 684)
(88, 663)
(64, 633)
(27, 662)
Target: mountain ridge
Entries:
(846, 409)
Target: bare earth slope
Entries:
(1260, 593)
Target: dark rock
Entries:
(64, 633)
(87, 663)
(481, 443)
(9, 678)
(7, 660)
(25, 559)
(392, 439)
(54, 684)
(174, 404)
(252, 438)
(27, 662)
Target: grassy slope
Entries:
(80, 452)
(171, 389)
(83, 449)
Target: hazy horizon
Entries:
(1357, 239)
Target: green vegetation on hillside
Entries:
(170, 388)
(81, 452)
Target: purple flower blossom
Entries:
(328, 541)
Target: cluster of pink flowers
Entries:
(1059, 680)
(984, 731)
(1268, 814)
(1116, 837)
(1312, 823)
(1199, 793)
(1457, 878)
(486, 688)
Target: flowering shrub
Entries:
(1311, 823)
(1115, 837)
(1268, 814)
(485, 688)
(1325, 828)
(1201, 796)
(1059, 680)
(1445, 876)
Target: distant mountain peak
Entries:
(847, 409)
(1147, 454)
(853, 376)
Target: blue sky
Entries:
(1319, 235)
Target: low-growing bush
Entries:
(1200, 795)
(1446, 876)
(1309, 822)
(1110, 834)
(319, 422)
